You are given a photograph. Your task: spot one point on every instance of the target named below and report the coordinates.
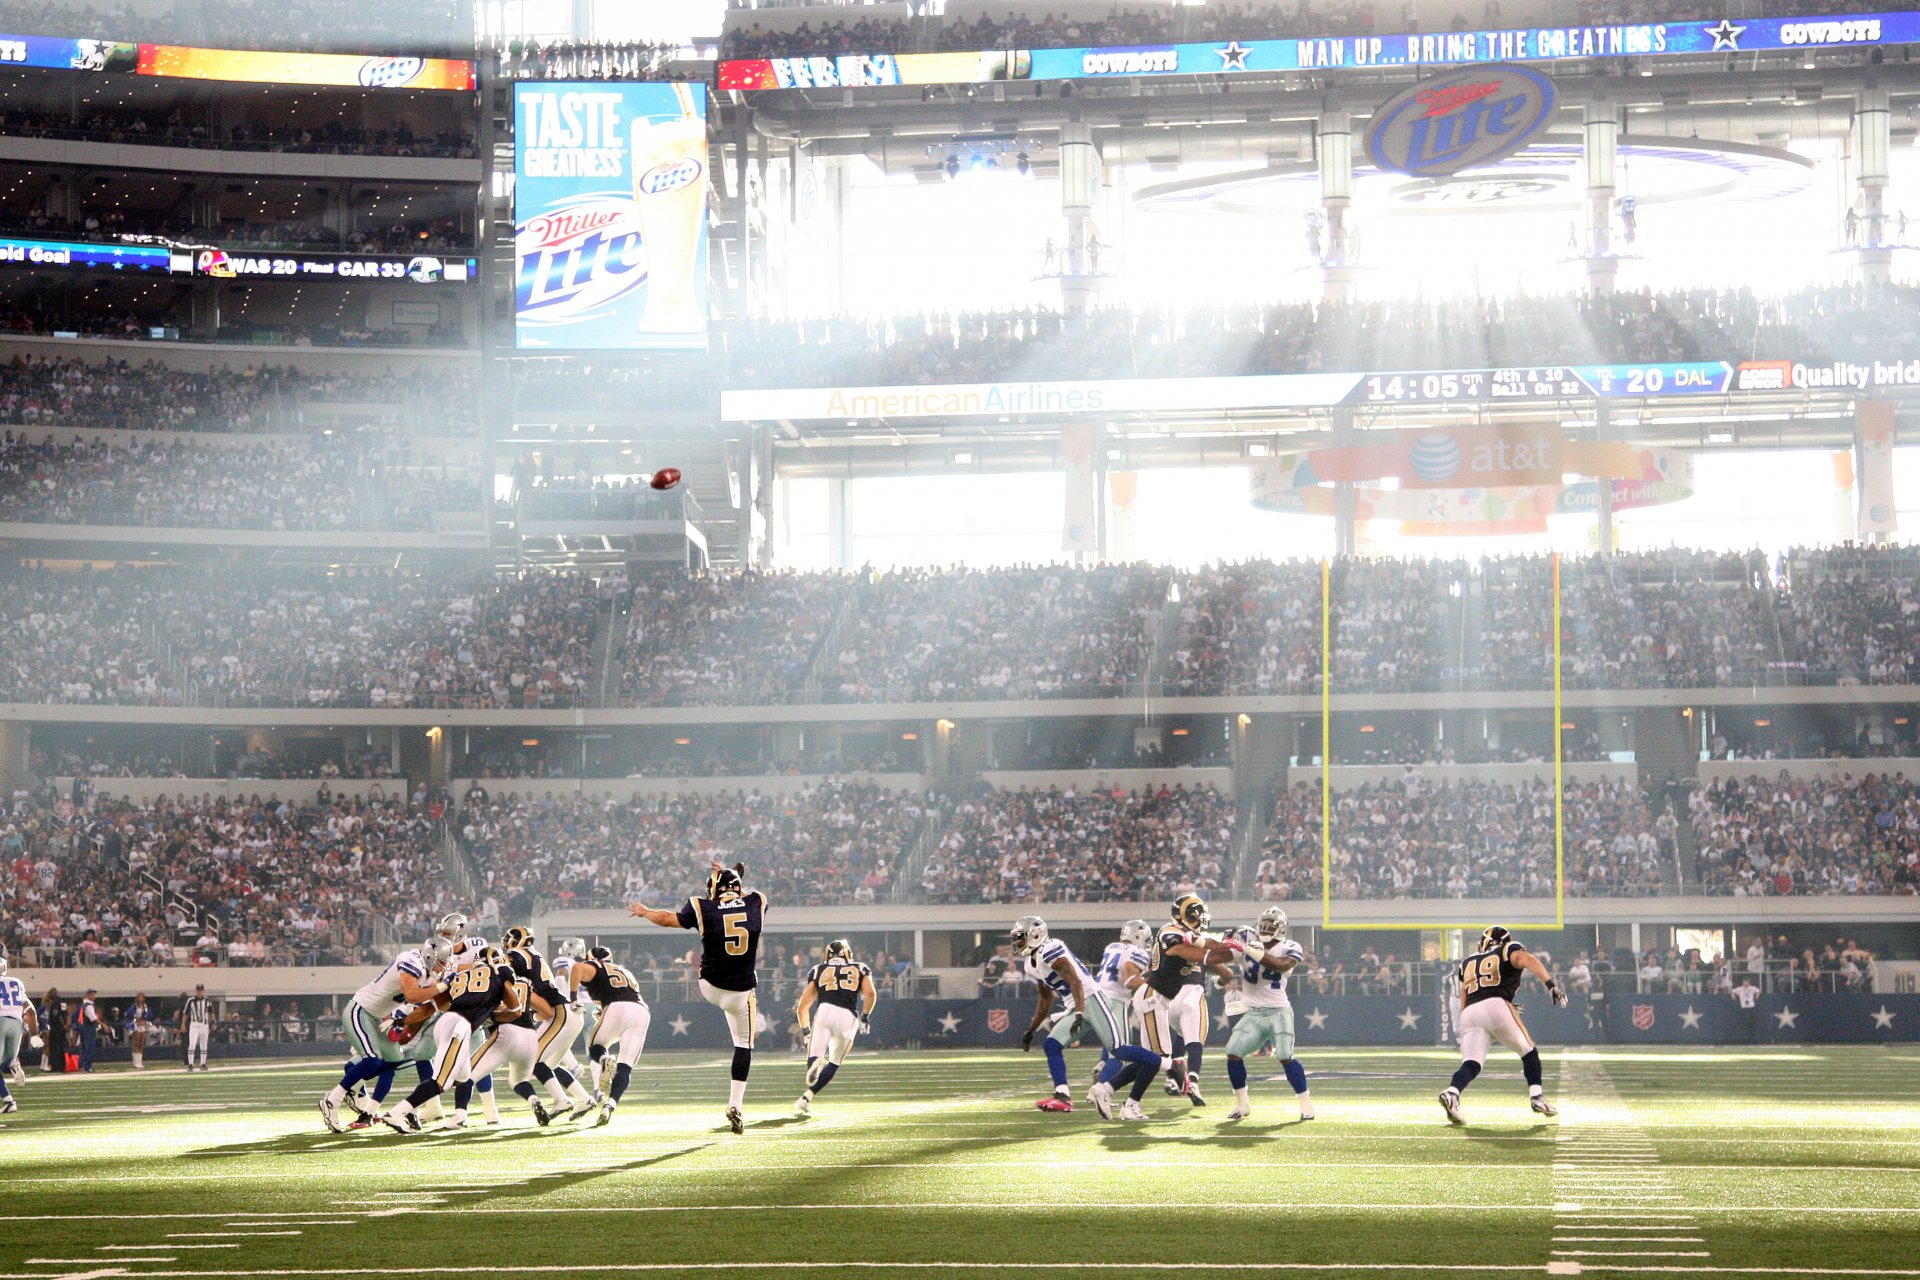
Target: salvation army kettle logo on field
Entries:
(1464, 118)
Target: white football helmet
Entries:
(452, 926)
(1137, 933)
(571, 948)
(1028, 934)
(1272, 925)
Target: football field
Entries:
(1794, 1161)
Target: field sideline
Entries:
(1795, 1161)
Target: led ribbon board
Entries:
(247, 66)
(1332, 53)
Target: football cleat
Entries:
(399, 1123)
(1054, 1102)
(606, 1113)
(603, 1076)
(362, 1123)
(1450, 1103)
(1240, 1111)
(1193, 1092)
(8, 1104)
(735, 1121)
(1130, 1110)
(1174, 1087)
(330, 1114)
(1306, 1109)
(1542, 1107)
(1176, 1076)
(583, 1110)
(1101, 1096)
(541, 1116)
(367, 1107)
(455, 1121)
(803, 1104)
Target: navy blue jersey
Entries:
(531, 966)
(1485, 975)
(610, 984)
(839, 982)
(476, 992)
(729, 937)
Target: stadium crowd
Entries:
(725, 638)
(275, 636)
(1093, 846)
(528, 59)
(1761, 837)
(205, 881)
(174, 127)
(1856, 615)
(1417, 838)
(334, 26)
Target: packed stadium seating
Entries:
(173, 128)
(1775, 837)
(342, 26)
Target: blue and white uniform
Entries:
(366, 1014)
(1100, 1016)
(1111, 979)
(13, 1023)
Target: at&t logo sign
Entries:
(1464, 118)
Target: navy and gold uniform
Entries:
(1166, 972)
(1485, 975)
(611, 984)
(729, 937)
(476, 992)
(621, 1030)
(838, 982)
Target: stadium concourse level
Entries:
(203, 880)
(441, 27)
(118, 394)
(180, 127)
(1814, 325)
(274, 636)
(328, 483)
(758, 638)
(1035, 26)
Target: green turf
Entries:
(1762, 1159)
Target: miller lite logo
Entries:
(390, 73)
(663, 178)
(1464, 118)
(576, 258)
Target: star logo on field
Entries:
(1233, 56)
(679, 1025)
(1786, 1019)
(1883, 1019)
(1691, 1019)
(1725, 36)
(948, 1024)
(1316, 1020)
(1409, 1021)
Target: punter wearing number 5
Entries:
(728, 919)
(1484, 1011)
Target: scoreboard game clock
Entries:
(1469, 386)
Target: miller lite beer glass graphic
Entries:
(610, 236)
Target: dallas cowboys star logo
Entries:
(1409, 1021)
(1786, 1019)
(948, 1024)
(1883, 1020)
(1690, 1018)
(679, 1025)
(1316, 1020)
(1725, 36)
(1233, 56)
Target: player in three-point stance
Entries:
(485, 989)
(1488, 981)
(1268, 1020)
(836, 1003)
(620, 1032)
(1060, 975)
(728, 920)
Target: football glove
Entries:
(1557, 992)
(35, 1042)
(1026, 1041)
(866, 1022)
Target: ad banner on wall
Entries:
(610, 216)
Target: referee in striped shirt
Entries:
(196, 1025)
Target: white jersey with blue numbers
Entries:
(385, 993)
(13, 999)
(562, 966)
(1040, 968)
(1264, 988)
(1113, 965)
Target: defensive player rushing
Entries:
(1175, 1017)
(1268, 1020)
(485, 989)
(729, 920)
(836, 1003)
(411, 978)
(1123, 977)
(1060, 975)
(1488, 981)
(18, 1021)
(621, 1031)
(559, 1023)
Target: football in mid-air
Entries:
(665, 478)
